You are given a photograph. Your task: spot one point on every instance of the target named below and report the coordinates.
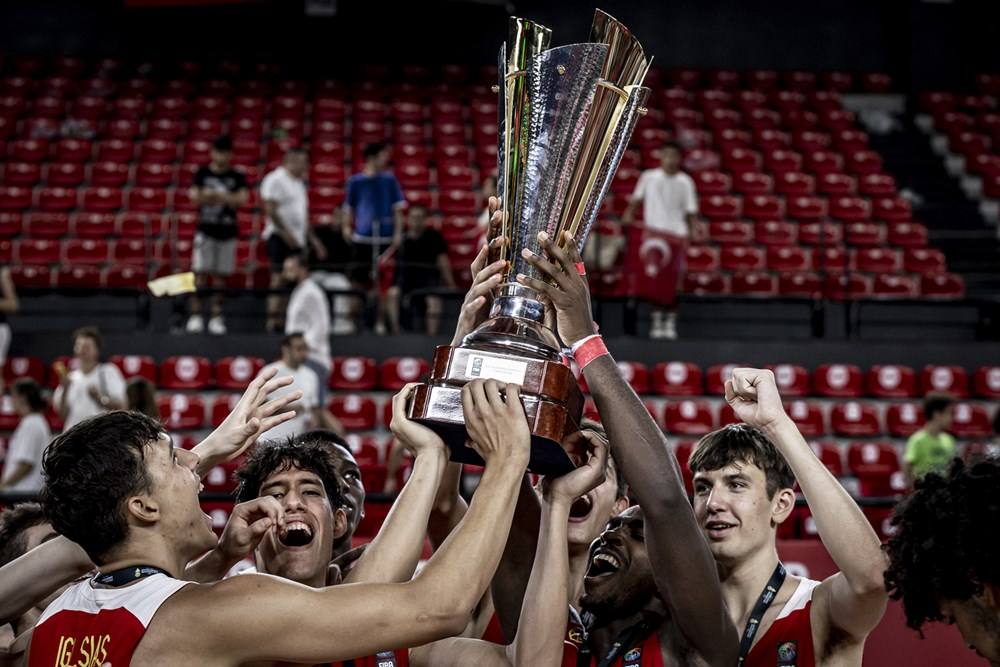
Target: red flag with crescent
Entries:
(654, 264)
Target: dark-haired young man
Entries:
(218, 190)
(142, 523)
(944, 560)
(932, 447)
(302, 475)
(743, 484)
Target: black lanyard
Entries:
(763, 603)
(622, 643)
(127, 575)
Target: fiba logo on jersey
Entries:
(788, 652)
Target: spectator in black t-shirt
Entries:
(421, 263)
(218, 190)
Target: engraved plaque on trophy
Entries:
(565, 118)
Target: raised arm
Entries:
(394, 553)
(685, 571)
(539, 639)
(856, 596)
(312, 626)
(37, 574)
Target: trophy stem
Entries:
(517, 324)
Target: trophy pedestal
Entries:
(552, 400)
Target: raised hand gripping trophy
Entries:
(565, 117)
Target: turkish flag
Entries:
(654, 264)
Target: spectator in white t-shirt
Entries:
(23, 469)
(287, 232)
(309, 315)
(670, 206)
(91, 388)
(310, 412)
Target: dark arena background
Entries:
(846, 157)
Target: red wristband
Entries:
(592, 348)
(581, 269)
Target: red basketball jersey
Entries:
(92, 627)
(788, 642)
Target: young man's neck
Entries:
(742, 581)
(933, 428)
(218, 167)
(290, 365)
(671, 172)
(156, 555)
(87, 366)
(371, 168)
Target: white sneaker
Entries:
(670, 327)
(380, 329)
(217, 326)
(195, 324)
(657, 331)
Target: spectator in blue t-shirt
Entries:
(373, 217)
(374, 206)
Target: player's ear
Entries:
(621, 505)
(339, 523)
(143, 509)
(782, 505)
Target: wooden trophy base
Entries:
(552, 401)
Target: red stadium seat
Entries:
(876, 465)
(854, 419)
(742, 258)
(890, 381)
(808, 417)
(85, 251)
(763, 207)
(702, 258)
(185, 372)
(236, 372)
(133, 365)
(891, 209)
(806, 208)
(730, 233)
(65, 174)
(457, 202)
(46, 225)
(850, 209)
(950, 379)
(688, 418)
(842, 287)
(775, 233)
(788, 259)
(987, 381)
(721, 207)
(754, 283)
(36, 251)
(219, 512)
(877, 185)
(781, 161)
(924, 261)
(78, 277)
(11, 225)
(101, 199)
(792, 380)
(73, 150)
(971, 421)
(395, 372)
(838, 381)
(903, 419)
(677, 378)
(182, 412)
(895, 287)
(24, 174)
(711, 183)
(942, 286)
(55, 199)
(14, 198)
(24, 367)
(794, 184)
(355, 412)
(125, 277)
(864, 162)
(877, 260)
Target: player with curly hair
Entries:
(944, 561)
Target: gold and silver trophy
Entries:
(565, 118)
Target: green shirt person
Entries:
(931, 448)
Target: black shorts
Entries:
(278, 251)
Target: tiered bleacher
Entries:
(99, 156)
(856, 419)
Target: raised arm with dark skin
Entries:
(685, 571)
